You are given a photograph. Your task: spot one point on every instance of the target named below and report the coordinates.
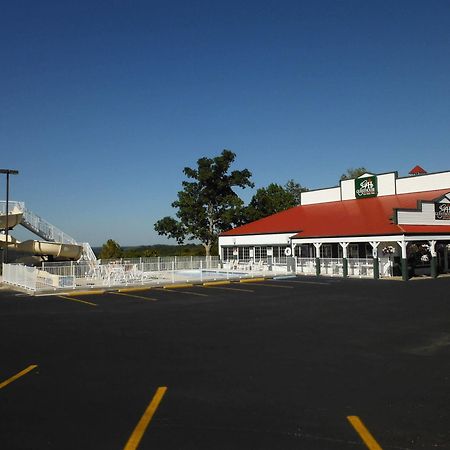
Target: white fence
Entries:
(116, 273)
(19, 275)
(306, 266)
(332, 266)
(162, 271)
(360, 267)
(32, 279)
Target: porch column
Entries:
(376, 266)
(295, 258)
(446, 257)
(344, 246)
(405, 274)
(317, 247)
(434, 271)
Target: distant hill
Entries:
(160, 250)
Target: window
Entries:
(326, 251)
(228, 253)
(244, 253)
(353, 251)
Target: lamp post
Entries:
(8, 172)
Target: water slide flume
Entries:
(39, 248)
(14, 218)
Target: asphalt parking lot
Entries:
(304, 363)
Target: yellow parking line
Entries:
(77, 300)
(364, 433)
(277, 285)
(134, 296)
(17, 375)
(138, 432)
(176, 291)
(198, 294)
(229, 288)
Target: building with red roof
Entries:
(375, 217)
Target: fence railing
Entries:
(160, 271)
(19, 275)
(360, 267)
(306, 266)
(151, 271)
(332, 266)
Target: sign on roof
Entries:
(442, 211)
(366, 187)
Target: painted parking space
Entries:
(72, 298)
(282, 371)
(17, 376)
(132, 294)
(365, 435)
(229, 288)
(141, 427)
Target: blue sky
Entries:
(104, 102)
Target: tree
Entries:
(111, 250)
(270, 200)
(295, 189)
(353, 173)
(208, 205)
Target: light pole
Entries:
(8, 172)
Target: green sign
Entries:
(366, 187)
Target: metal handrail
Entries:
(44, 229)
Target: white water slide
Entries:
(55, 242)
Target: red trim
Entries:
(426, 229)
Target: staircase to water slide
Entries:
(45, 230)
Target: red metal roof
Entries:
(426, 229)
(417, 170)
(362, 217)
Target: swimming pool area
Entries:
(117, 274)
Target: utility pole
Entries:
(8, 172)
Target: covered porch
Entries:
(406, 256)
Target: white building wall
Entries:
(424, 217)
(321, 196)
(386, 184)
(418, 183)
(348, 189)
(255, 239)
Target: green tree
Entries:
(295, 189)
(208, 205)
(110, 250)
(353, 173)
(269, 200)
